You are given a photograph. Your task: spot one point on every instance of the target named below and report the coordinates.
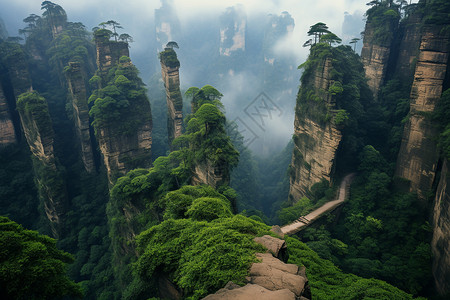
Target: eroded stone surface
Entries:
(440, 243)
(276, 246)
(418, 156)
(171, 79)
(77, 89)
(251, 292)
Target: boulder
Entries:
(250, 292)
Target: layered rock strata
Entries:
(171, 77)
(418, 157)
(108, 54)
(122, 153)
(38, 130)
(210, 174)
(375, 57)
(408, 50)
(315, 145)
(77, 89)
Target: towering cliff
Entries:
(315, 140)
(39, 134)
(382, 22)
(7, 131)
(211, 153)
(108, 52)
(441, 228)
(121, 112)
(171, 77)
(77, 88)
(17, 68)
(418, 156)
(233, 26)
(408, 51)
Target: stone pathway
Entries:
(304, 221)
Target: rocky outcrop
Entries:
(122, 150)
(418, 157)
(123, 153)
(408, 51)
(270, 278)
(233, 26)
(440, 243)
(210, 174)
(315, 144)
(108, 54)
(7, 131)
(250, 292)
(375, 56)
(38, 130)
(77, 88)
(171, 77)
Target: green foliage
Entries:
(31, 267)
(291, 213)
(123, 98)
(169, 58)
(18, 195)
(200, 256)
(34, 108)
(436, 12)
(383, 19)
(177, 203)
(341, 117)
(328, 282)
(207, 94)
(208, 209)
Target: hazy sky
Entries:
(136, 16)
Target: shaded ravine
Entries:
(303, 221)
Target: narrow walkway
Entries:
(304, 221)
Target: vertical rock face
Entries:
(18, 72)
(122, 153)
(418, 156)
(440, 243)
(315, 144)
(210, 174)
(409, 47)
(171, 77)
(77, 89)
(37, 127)
(122, 150)
(233, 25)
(375, 57)
(7, 131)
(109, 53)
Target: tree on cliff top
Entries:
(317, 30)
(172, 45)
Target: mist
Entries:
(239, 77)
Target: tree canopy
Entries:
(31, 267)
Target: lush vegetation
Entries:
(157, 226)
(123, 98)
(328, 282)
(31, 266)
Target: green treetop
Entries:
(31, 267)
